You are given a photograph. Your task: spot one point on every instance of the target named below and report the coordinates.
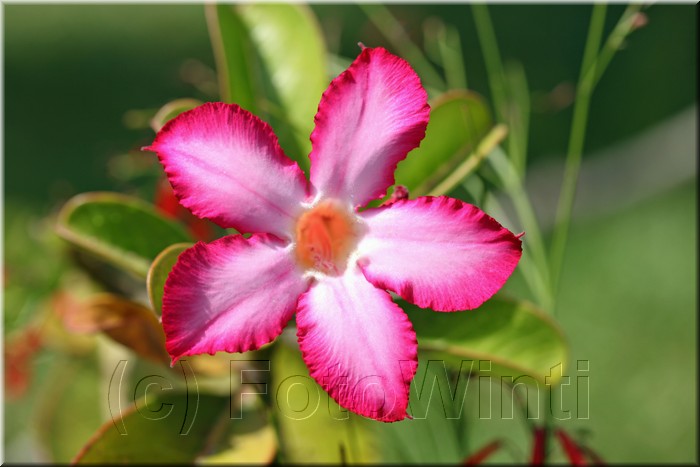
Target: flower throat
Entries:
(325, 237)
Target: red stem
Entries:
(573, 452)
(539, 447)
(479, 456)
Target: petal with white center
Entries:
(234, 295)
(358, 344)
(225, 164)
(437, 252)
(369, 118)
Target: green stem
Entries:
(511, 101)
(623, 28)
(534, 280)
(521, 201)
(518, 115)
(593, 66)
(451, 57)
(492, 58)
(388, 25)
(472, 162)
(576, 140)
(526, 267)
(511, 171)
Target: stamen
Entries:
(325, 237)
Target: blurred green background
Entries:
(74, 74)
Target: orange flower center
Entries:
(325, 237)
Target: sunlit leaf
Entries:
(292, 50)
(458, 122)
(312, 427)
(167, 427)
(272, 62)
(171, 110)
(515, 337)
(126, 322)
(119, 229)
(234, 56)
(158, 273)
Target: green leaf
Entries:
(458, 122)
(70, 406)
(119, 229)
(434, 435)
(166, 426)
(250, 440)
(234, 56)
(460, 174)
(516, 337)
(312, 426)
(272, 59)
(171, 110)
(158, 273)
(292, 51)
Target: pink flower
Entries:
(312, 253)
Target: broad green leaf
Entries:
(171, 110)
(312, 426)
(165, 427)
(70, 406)
(458, 122)
(272, 61)
(119, 229)
(516, 337)
(234, 56)
(128, 323)
(158, 273)
(292, 51)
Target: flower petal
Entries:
(439, 253)
(232, 295)
(358, 344)
(225, 164)
(369, 118)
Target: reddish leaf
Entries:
(129, 323)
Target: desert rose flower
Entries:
(311, 251)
